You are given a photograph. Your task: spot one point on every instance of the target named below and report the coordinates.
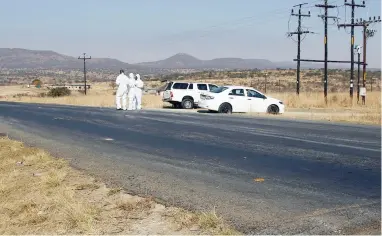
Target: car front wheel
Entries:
(225, 108)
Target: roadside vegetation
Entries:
(310, 104)
(41, 194)
(59, 92)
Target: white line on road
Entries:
(108, 139)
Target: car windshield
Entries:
(218, 89)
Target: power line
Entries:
(85, 58)
(299, 32)
(247, 21)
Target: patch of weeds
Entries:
(114, 191)
(209, 220)
(141, 205)
(54, 178)
(81, 217)
(87, 187)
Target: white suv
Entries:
(185, 94)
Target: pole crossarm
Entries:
(354, 5)
(322, 61)
(301, 32)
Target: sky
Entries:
(148, 30)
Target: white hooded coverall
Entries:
(122, 82)
(131, 86)
(138, 92)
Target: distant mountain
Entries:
(178, 61)
(185, 61)
(13, 58)
(32, 59)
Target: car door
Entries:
(201, 88)
(256, 101)
(238, 100)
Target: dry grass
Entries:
(205, 221)
(44, 195)
(335, 101)
(99, 96)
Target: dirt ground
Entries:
(41, 194)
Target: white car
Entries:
(185, 94)
(228, 99)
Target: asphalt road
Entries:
(319, 178)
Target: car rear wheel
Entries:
(187, 103)
(273, 109)
(225, 108)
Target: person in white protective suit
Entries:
(138, 92)
(131, 85)
(121, 82)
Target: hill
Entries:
(186, 61)
(14, 58)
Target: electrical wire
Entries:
(180, 37)
(302, 27)
(242, 19)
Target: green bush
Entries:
(59, 92)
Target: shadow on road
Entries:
(205, 111)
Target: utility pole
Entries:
(299, 32)
(358, 48)
(366, 34)
(371, 84)
(85, 58)
(325, 18)
(353, 5)
(266, 76)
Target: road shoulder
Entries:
(45, 195)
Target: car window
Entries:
(218, 89)
(191, 86)
(254, 94)
(237, 92)
(202, 87)
(212, 86)
(180, 86)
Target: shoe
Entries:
(119, 109)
